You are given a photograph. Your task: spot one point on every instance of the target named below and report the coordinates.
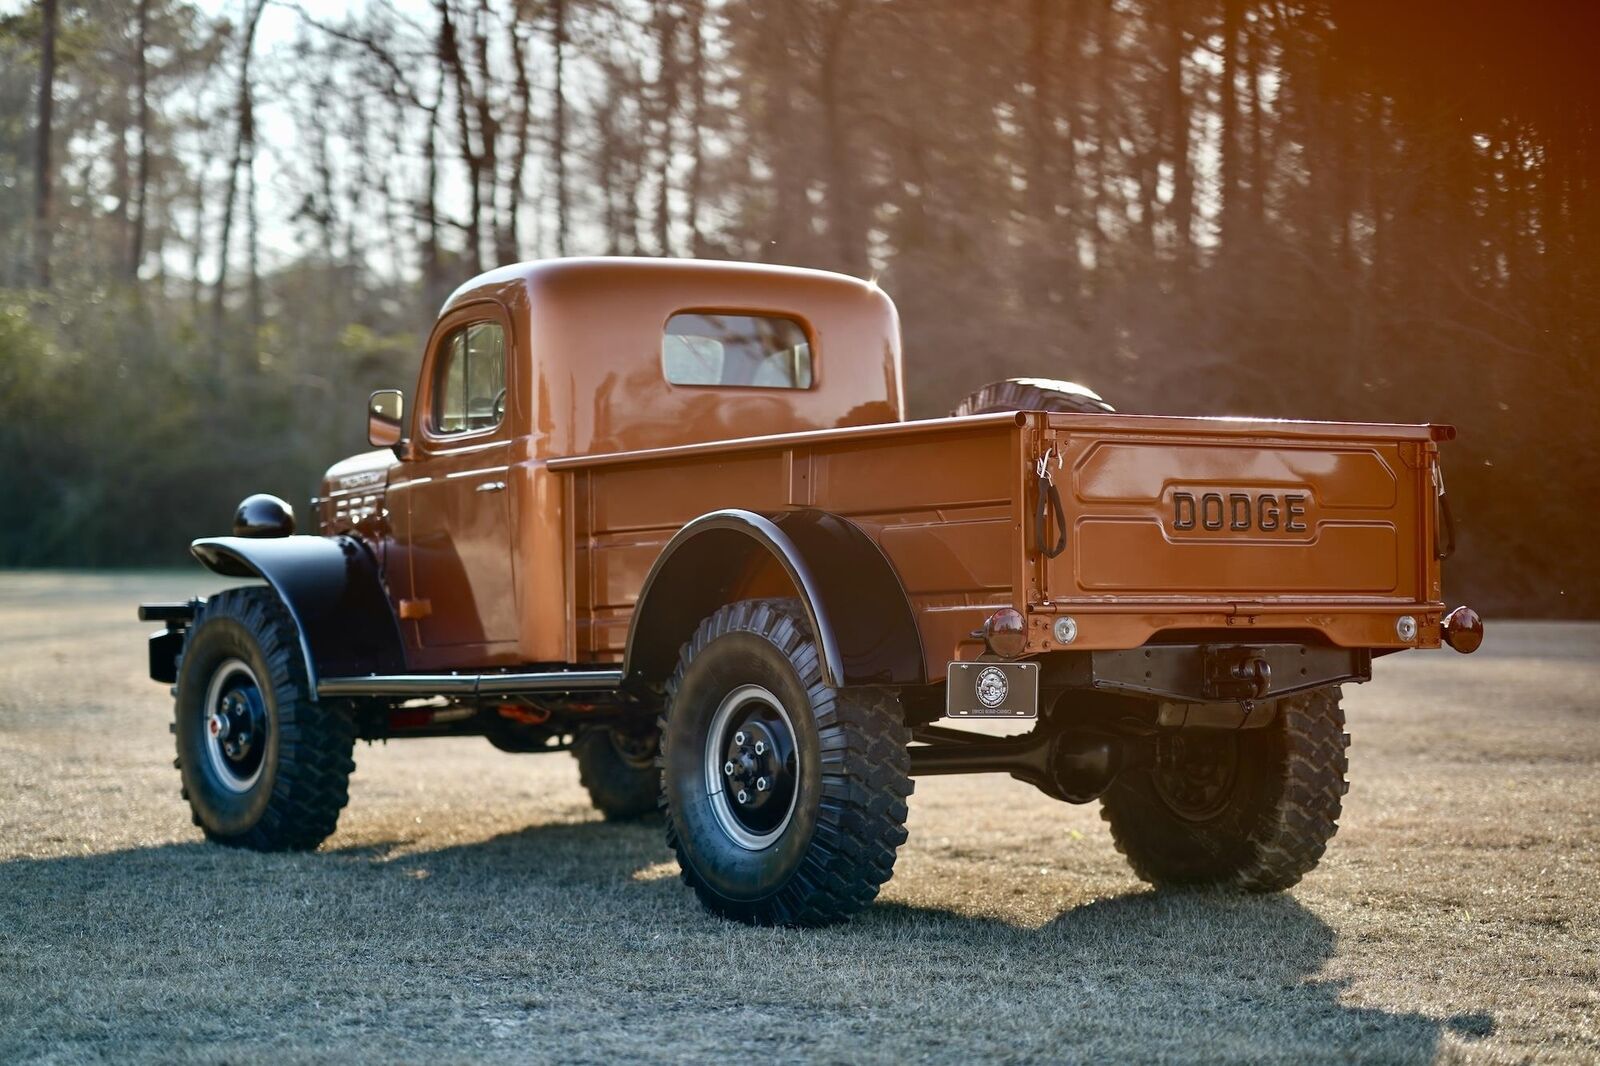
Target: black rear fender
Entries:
(857, 607)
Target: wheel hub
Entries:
(752, 767)
(235, 726)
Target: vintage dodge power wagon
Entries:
(669, 515)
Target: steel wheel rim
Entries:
(747, 718)
(233, 726)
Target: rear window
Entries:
(753, 351)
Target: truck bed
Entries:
(1237, 529)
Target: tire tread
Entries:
(1291, 827)
(865, 778)
(316, 740)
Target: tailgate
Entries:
(1243, 512)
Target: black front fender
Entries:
(332, 588)
(865, 629)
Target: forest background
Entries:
(223, 223)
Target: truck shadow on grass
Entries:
(526, 942)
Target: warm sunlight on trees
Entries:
(215, 239)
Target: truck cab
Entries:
(587, 356)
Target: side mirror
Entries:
(385, 412)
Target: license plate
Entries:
(992, 690)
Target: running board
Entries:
(417, 686)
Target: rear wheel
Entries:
(785, 798)
(618, 769)
(264, 764)
(1033, 394)
(1252, 809)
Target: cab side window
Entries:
(469, 385)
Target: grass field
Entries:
(471, 906)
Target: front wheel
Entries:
(1251, 809)
(264, 764)
(785, 799)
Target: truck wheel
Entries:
(1252, 810)
(1033, 394)
(785, 799)
(265, 766)
(618, 769)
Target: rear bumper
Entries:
(1208, 673)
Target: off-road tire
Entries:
(1033, 394)
(304, 779)
(619, 786)
(1269, 831)
(849, 813)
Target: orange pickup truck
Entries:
(669, 515)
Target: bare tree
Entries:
(509, 237)
(1176, 110)
(1228, 109)
(474, 149)
(243, 143)
(141, 188)
(666, 103)
(43, 175)
(844, 208)
(695, 23)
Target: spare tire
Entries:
(1033, 394)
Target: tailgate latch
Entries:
(1049, 502)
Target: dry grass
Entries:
(472, 908)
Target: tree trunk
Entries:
(667, 109)
(511, 244)
(1042, 265)
(43, 175)
(1228, 106)
(488, 125)
(605, 120)
(252, 236)
(1104, 133)
(558, 124)
(790, 211)
(697, 109)
(1254, 53)
(243, 135)
(197, 247)
(432, 259)
(844, 210)
(450, 59)
(141, 188)
(1177, 109)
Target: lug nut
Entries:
(744, 797)
(727, 769)
(738, 738)
(761, 784)
(761, 747)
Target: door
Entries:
(456, 530)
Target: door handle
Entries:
(491, 486)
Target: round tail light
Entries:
(1463, 630)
